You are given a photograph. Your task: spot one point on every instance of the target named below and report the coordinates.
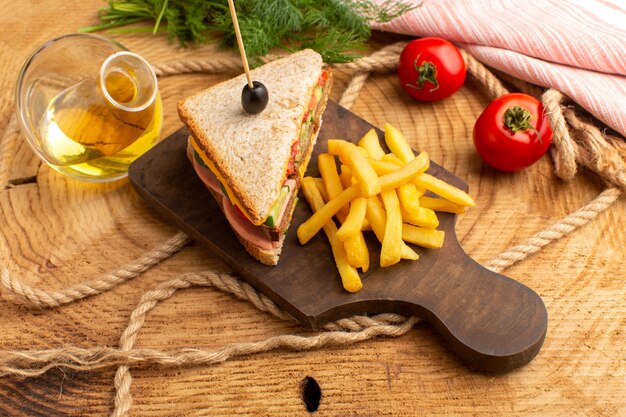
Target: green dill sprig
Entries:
(337, 29)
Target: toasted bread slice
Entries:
(252, 152)
(267, 257)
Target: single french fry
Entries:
(334, 144)
(349, 275)
(321, 187)
(397, 143)
(351, 246)
(390, 157)
(441, 204)
(311, 195)
(371, 142)
(409, 197)
(357, 253)
(445, 190)
(365, 253)
(314, 224)
(346, 180)
(405, 174)
(354, 221)
(408, 253)
(363, 172)
(378, 219)
(422, 217)
(391, 251)
(383, 167)
(328, 170)
(345, 176)
(423, 237)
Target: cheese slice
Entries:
(229, 192)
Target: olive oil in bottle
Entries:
(96, 128)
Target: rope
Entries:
(34, 363)
(596, 153)
(556, 231)
(353, 89)
(588, 147)
(480, 74)
(564, 150)
(209, 65)
(37, 298)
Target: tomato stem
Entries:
(427, 72)
(518, 119)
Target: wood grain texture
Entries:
(57, 232)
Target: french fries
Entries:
(357, 252)
(440, 204)
(383, 167)
(345, 176)
(349, 275)
(321, 187)
(445, 190)
(314, 224)
(420, 191)
(371, 143)
(328, 170)
(423, 237)
(363, 151)
(378, 191)
(398, 144)
(354, 221)
(391, 251)
(405, 174)
(409, 197)
(378, 220)
(389, 157)
(421, 217)
(350, 155)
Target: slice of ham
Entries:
(208, 178)
(253, 234)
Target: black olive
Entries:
(254, 99)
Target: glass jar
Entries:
(88, 107)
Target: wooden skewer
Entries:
(242, 50)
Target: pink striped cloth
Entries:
(575, 46)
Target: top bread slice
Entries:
(252, 151)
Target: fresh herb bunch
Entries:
(334, 28)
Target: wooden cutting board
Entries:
(493, 322)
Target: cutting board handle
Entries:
(508, 322)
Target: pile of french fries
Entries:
(377, 191)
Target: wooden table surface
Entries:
(55, 232)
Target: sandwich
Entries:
(253, 163)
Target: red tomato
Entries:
(512, 132)
(431, 69)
